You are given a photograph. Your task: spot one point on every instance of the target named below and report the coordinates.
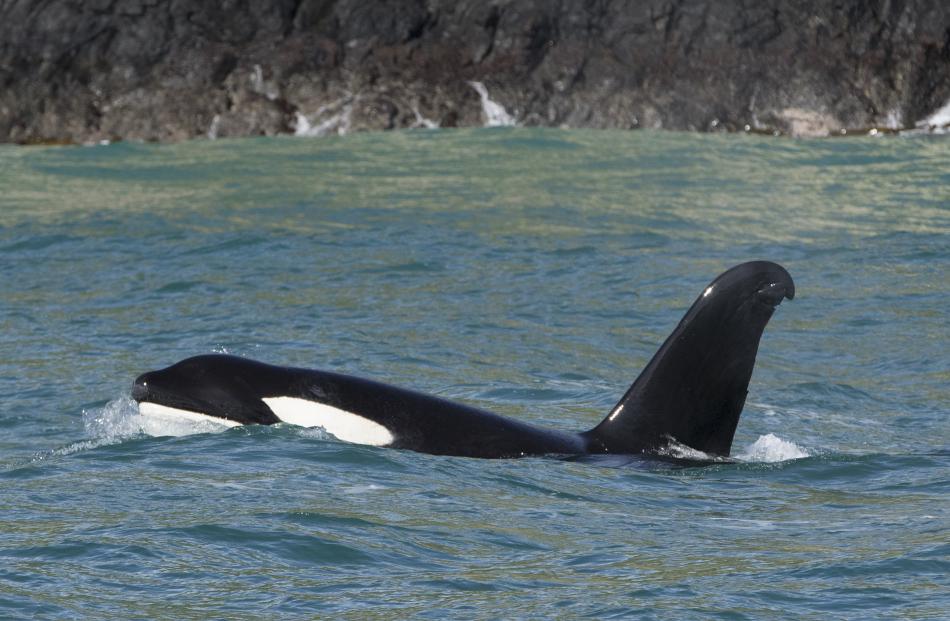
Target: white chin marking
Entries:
(163, 412)
(344, 425)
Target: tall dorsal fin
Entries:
(693, 389)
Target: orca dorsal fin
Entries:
(694, 388)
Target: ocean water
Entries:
(531, 272)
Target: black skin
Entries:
(693, 389)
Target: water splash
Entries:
(261, 86)
(939, 120)
(767, 449)
(339, 120)
(894, 119)
(770, 448)
(69, 449)
(120, 420)
(110, 424)
(678, 450)
(214, 127)
(422, 121)
(316, 433)
(495, 113)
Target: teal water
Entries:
(530, 272)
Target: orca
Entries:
(691, 392)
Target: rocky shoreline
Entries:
(165, 70)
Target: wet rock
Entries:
(175, 69)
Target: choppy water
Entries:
(531, 272)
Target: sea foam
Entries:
(940, 119)
(332, 118)
(495, 113)
(771, 448)
(767, 449)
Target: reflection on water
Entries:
(710, 185)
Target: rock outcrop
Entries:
(81, 71)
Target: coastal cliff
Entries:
(164, 70)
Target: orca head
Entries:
(223, 387)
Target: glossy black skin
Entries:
(695, 386)
(232, 387)
(692, 390)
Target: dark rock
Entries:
(173, 69)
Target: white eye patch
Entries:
(344, 425)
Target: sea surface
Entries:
(532, 272)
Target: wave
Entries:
(770, 448)
(766, 449)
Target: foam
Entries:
(766, 449)
(770, 448)
(214, 127)
(938, 120)
(495, 113)
(681, 451)
(337, 117)
(422, 121)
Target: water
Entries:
(531, 272)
